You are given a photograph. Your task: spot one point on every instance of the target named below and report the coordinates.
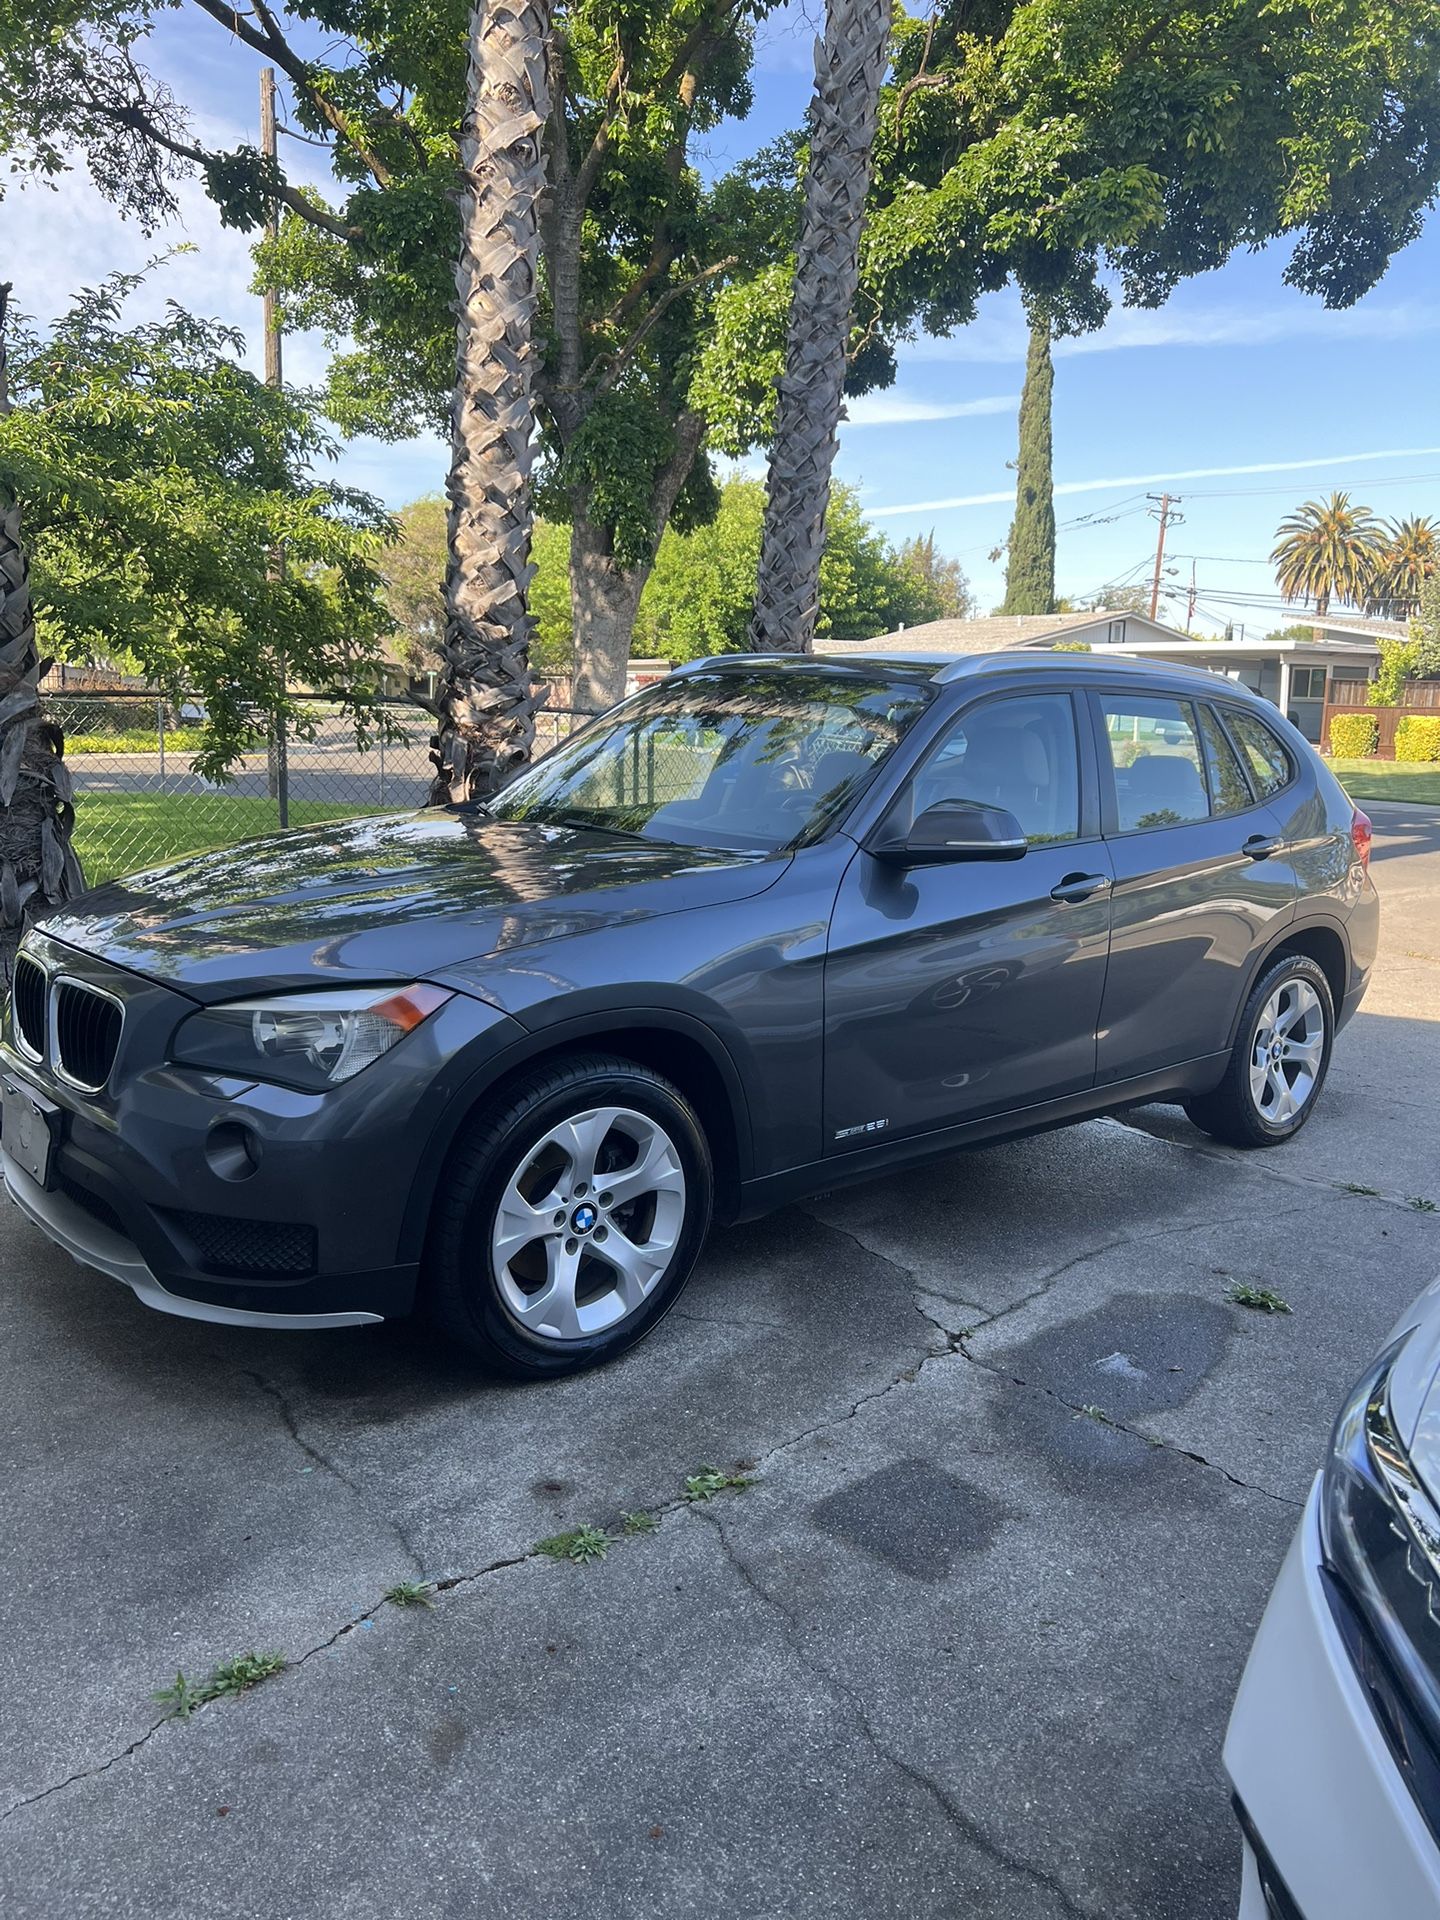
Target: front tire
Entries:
(570, 1219)
(1279, 1062)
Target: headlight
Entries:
(307, 1040)
(1380, 1533)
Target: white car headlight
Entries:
(306, 1040)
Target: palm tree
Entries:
(38, 866)
(849, 67)
(487, 702)
(1327, 551)
(1409, 555)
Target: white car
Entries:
(1334, 1744)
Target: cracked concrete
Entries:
(967, 1646)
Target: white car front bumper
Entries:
(1311, 1768)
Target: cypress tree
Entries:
(1030, 572)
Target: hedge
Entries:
(1354, 736)
(1417, 737)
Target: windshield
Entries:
(716, 758)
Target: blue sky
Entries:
(1239, 396)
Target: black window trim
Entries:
(1225, 708)
(1213, 708)
(1087, 772)
(1109, 798)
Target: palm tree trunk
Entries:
(38, 866)
(487, 702)
(1030, 568)
(849, 67)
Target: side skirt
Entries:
(762, 1196)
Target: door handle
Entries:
(1260, 846)
(1080, 886)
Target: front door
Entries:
(957, 991)
(1196, 887)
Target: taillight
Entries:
(1362, 833)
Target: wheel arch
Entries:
(682, 1048)
(1320, 940)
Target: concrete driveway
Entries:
(1022, 1477)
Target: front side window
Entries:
(1229, 789)
(1267, 758)
(1155, 750)
(752, 761)
(1013, 753)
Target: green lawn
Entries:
(118, 833)
(1408, 781)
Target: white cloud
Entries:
(898, 409)
(1116, 482)
(998, 333)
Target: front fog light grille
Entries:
(241, 1248)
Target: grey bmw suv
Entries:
(773, 922)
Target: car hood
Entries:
(391, 898)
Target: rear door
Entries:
(965, 989)
(1201, 880)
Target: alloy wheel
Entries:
(588, 1223)
(1288, 1052)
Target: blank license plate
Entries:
(27, 1126)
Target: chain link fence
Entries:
(138, 804)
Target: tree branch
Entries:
(617, 362)
(138, 121)
(272, 43)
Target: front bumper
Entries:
(318, 1223)
(1312, 1771)
(95, 1244)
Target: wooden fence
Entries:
(1348, 696)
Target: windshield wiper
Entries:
(587, 824)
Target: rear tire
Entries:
(1279, 1062)
(570, 1219)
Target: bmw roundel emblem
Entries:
(583, 1219)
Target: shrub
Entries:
(1354, 736)
(1417, 737)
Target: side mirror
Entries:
(956, 830)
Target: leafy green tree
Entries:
(1327, 550)
(634, 241)
(701, 593)
(1425, 633)
(1039, 140)
(1399, 662)
(1030, 566)
(940, 578)
(157, 480)
(1059, 142)
(413, 571)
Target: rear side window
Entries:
(1229, 789)
(1265, 754)
(1160, 778)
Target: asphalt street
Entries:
(1021, 1477)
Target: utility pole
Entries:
(279, 756)
(1190, 603)
(1166, 505)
